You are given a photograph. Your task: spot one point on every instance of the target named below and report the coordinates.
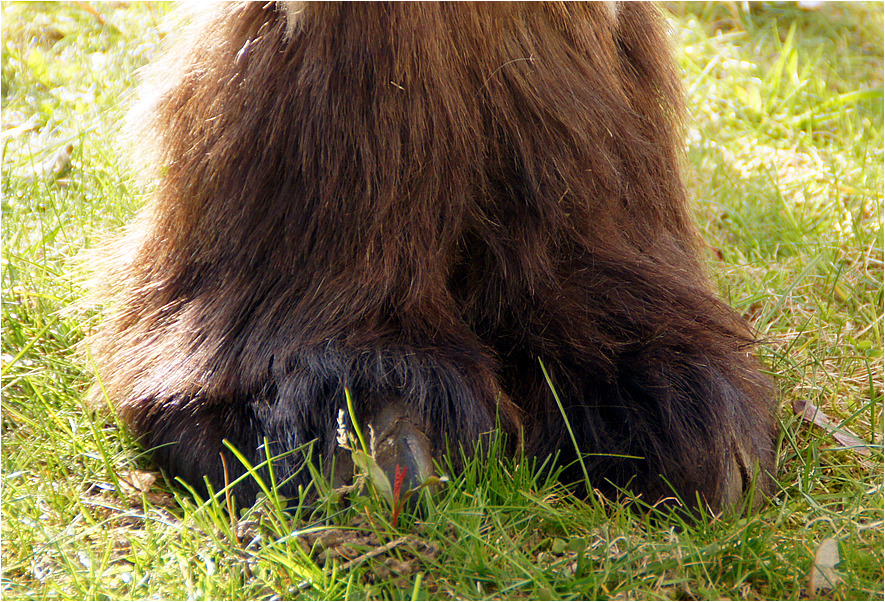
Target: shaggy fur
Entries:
(418, 202)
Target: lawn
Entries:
(785, 163)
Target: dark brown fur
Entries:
(419, 202)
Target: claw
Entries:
(400, 442)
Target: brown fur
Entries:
(419, 202)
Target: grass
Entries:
(785, 160)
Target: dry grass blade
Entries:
(812, 413)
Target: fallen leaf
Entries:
(823, 572)
(137, 481)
